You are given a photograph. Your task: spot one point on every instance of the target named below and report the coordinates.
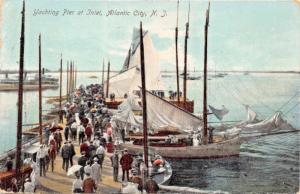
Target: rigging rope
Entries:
(288, 101)
(284, 114)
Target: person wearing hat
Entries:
(9, 164)
(73, 153)
(41, 156)
(65, 153)
(87, 167)
(96, 171)
(52, 155)
(77, 184)
(82, 161)
(81, 134)
(126, 161)
(28, 186)
(84, 147)
(115, 164)
(100, 153)
(89, 185)
(88, 132)
(91, 150)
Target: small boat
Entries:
(92, 77)
(193, 77)
(161, 172)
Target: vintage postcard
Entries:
(140, 96)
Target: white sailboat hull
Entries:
(216, 150)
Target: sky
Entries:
(243, 35)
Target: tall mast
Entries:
(75, 78)
(144, 102)
(176, 49)
(129, 56)
(67, 80)
(103, 67)
(205, 78)
(60, 90)
(185, 59)
(72, 85)
(40, 91)
(70, 77)
(107, 79)
(20, 95)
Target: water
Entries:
(268, 164)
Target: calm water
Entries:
(269, 164)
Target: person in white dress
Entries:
(96, 171)
(88, 168)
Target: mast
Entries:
(72, 85)
(107, 79)
(144, 102)
(40, 91)
(176, 49)
(185, 59)
(103, 67)
(67, 80)
(60, 90)
(75, 80)
(205, 78)
(71, 79)
(20, 95)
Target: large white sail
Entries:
(129, 80)
(161, 113)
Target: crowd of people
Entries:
(88, 126)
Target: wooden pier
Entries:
(58, 181)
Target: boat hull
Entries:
(216, 150)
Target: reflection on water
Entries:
(268, 164)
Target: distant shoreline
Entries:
(163, 71)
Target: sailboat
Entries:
(191, 138)
(162, 171)
(127, 81)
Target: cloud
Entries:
(168, 57)
(114, 53)
(165, 27)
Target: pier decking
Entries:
(58, 181)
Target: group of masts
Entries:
(72, 82)
(205, 112)
(71, 78)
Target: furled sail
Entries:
(162, 113)
(251, 118)
(128, 117)
(219, 113)
(276, 122)
(130, 103)
(129, 80)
